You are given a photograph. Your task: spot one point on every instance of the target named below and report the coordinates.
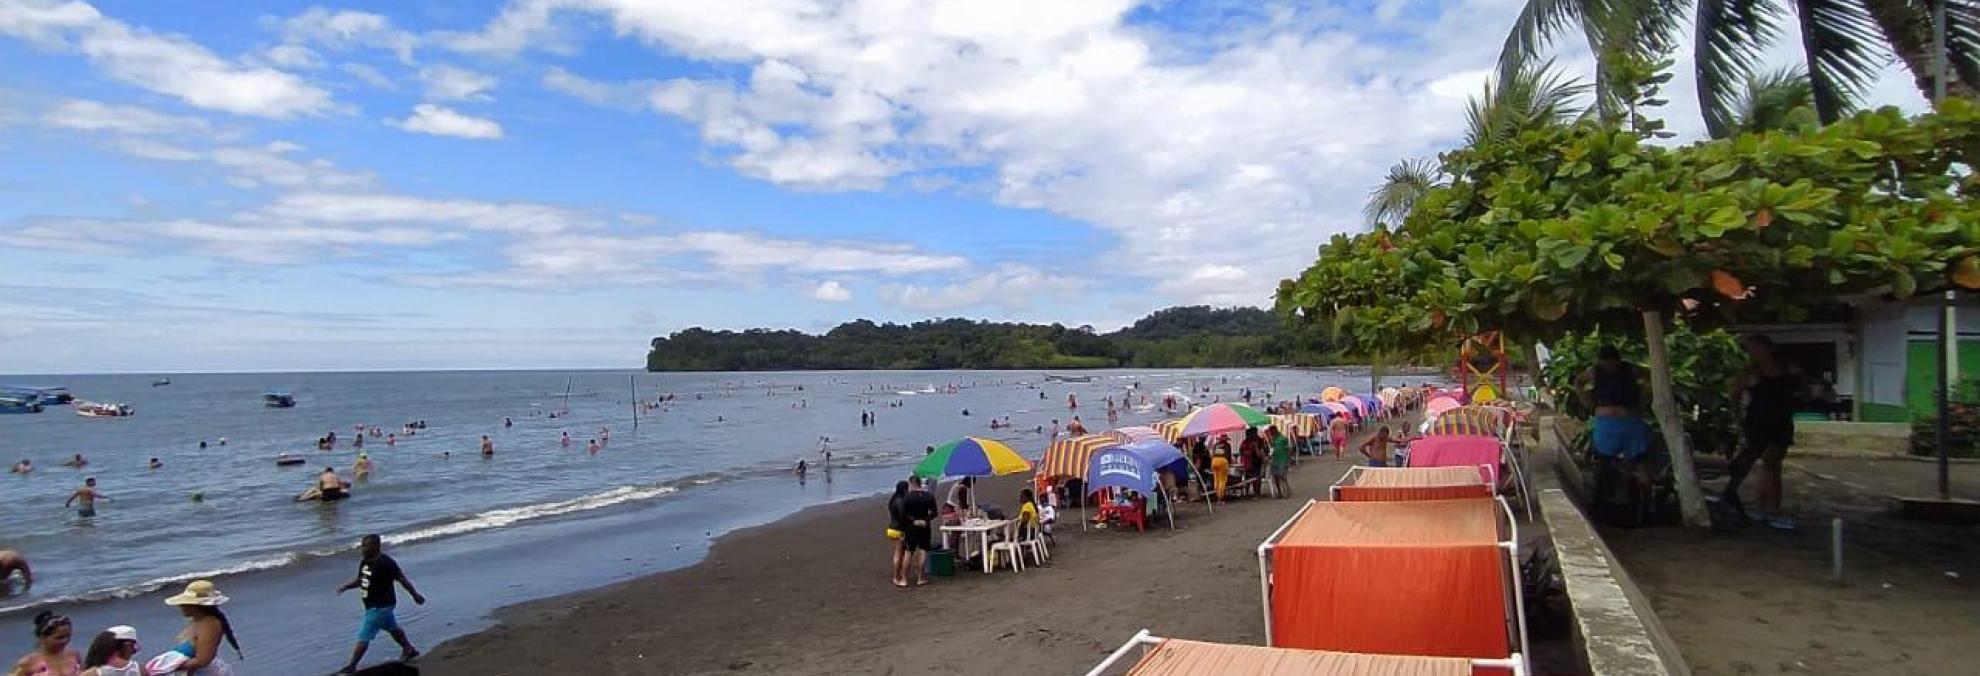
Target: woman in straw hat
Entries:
(205, 626)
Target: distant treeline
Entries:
(1195, 336)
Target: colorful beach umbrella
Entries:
(971, 456)
(1467, 421)
(1332, 394)
(1221, 418)
(1171, 430)
(1439, 405)
(1359, 405)
(1068, 457)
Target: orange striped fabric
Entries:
(1300, 425)
(1068, 457)
(1468, 421)
(1170, 429)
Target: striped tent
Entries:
(1298, 425)
(1137, 433)
(1170, 429)
(1068, 457)
(1468, 421)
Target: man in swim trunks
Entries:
(376, 575)
(12, 562)
(918, 509)
(330, 487)
(487, 447)
(77, 462)
(87, 496)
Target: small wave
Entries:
(148, 586)
(496, 518)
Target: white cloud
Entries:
(453, 83)
(346, 29)
(86, 115)
(292, 56)
(385, 208)
(831, 291)
(590, 91)
(168, 64)
(256, 243)
(438, 120)
(1010, 287)
(370, 76)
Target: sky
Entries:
(266, 185)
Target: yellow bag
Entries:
(894, 534)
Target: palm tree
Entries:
(1392, 200)
(1778, 100)
(1533, 96)
(1843, 42)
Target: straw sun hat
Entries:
(198, 593)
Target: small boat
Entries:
(161, 383)
(48, 396)
(278, 399)
(288, 460)
(1068, 379)
(18, 404)
(93, 409)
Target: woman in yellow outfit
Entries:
(1220, 471)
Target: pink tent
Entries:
(1439, 405)
(1342, 409)
(1458, 451)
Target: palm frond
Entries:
(1727, 38)
(1392, 199)
(1531, 97)
(1963, 42)
(1538, 24)
(1778, 100)
(1844, 49)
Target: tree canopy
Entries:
(1576, 227)
(1195, 336)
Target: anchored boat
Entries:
(278, 399)
(93, 409)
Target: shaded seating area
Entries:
(1436, 578)
(1178, 657)
(1375, 484)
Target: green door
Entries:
(1922, 372)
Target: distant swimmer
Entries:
(565, 441)
(391, 440)
(801, 469)
(507, 423)
(202, 444)
(155, 464)
(85, 498)
(362, 468)
(11, 563)
(329, 487)
(487, 446)
(23, 467)
(223, 441)
(77, 462)
(357, 441)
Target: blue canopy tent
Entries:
(1135, 466)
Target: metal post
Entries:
(1938, 51)
(1943, 428)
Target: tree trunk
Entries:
(1907, 27)
(1663, 399)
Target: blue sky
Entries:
(549, 183)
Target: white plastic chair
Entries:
(1008, 546)
(1031, 540)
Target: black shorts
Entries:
(918, 538)
(329, 494)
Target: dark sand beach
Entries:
(810, 595)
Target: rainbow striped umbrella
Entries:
(971, 456)
(1221, 418)
(1467, 421)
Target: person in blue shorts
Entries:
(1613, 388)
(377, 573)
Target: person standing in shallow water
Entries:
(487, 447)
(87, 496)
(377, 573)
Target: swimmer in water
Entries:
(23, 467)
(11, 562)
(202, 444)
(391, 440)
(329, 487)
(565, 441)
(801, 469)
(223, 441)
(155, 464)
(592, 447)
(507, 423)
(487, 447)
(362, 468)
(85, 498)
(77, 462)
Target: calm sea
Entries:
(535, 520)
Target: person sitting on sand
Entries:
(77, 462)
(23, 467)
(87, 496)
(11, 562)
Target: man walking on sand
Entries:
(376, 575)
(919, 511)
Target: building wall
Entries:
(1889, 367)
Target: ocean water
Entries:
(537, 519)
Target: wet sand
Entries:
(810, 595)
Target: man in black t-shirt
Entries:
(919, 511)
(376, 575)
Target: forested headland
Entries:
(1193, 336)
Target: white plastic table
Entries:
(982, 528)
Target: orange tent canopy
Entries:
(1411, 483)
(1068, 457)
(1177, 657)
(1424, 523)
